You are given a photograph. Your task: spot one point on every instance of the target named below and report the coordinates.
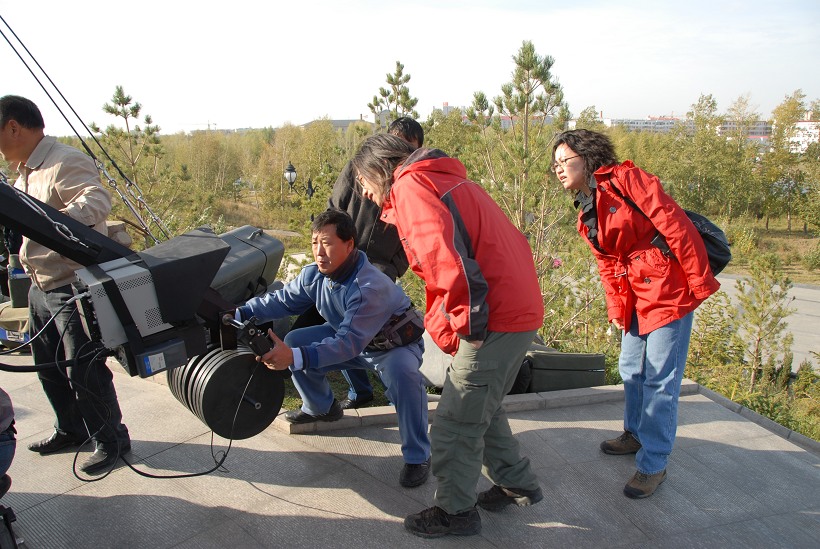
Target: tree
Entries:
(741, 186)
(395, 99)
(810, 166)
(136, 152)
(714, 352)
(764, 306)
(694, 176)
(453, 135)
(589, 120)
(780, 165)
(516, 130)
(814, 110)
(284, 149)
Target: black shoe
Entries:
(5, 484)
(56, 442)
(360, 402)
(298, 416)
(436, 522)
(496, 498)
(414, 474)
(105, 456)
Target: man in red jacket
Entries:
(484, 306)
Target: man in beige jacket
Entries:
(83, 396)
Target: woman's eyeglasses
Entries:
(562, 163)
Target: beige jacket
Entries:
(67, 180)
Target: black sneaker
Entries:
(496, 498)
(298, 416)
(56, 442)
(435, 522)
(624, 444)
(360, 402)
(414, 474)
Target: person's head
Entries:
(408, 129)
(378, 156)
(333, 238)
(577, 154)
(21, 127)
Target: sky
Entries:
(195, 65)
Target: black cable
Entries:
(218, 461)
(48, 365)
(38, 334)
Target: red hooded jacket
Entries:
(477, 266)
(635, 274)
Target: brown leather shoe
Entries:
(642, 485)
(624, 444)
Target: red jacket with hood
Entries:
(477, 267)
(636, 276)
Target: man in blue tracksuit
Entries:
(370, 323)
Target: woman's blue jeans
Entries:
(651, 367)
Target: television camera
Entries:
(161, 309)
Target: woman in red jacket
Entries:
(650, 295)
(484, 306)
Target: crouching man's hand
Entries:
(278, 358)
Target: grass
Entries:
(792, 247)
(339, 385)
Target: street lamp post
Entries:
(290, 175)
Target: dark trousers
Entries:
(82, 395)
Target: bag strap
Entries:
(627, 199)
(658, 240)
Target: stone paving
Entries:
(732, 481)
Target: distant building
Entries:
(759, 132)
(806, 133)
(505, 120)
(654, 124)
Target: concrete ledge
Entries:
(579, 397)
(386, 415)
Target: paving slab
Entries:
(731, 480)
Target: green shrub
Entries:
(812, 259)
(745, 241)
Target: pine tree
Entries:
(395, 99)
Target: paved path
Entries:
(804, 324)
(732, 483)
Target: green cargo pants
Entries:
(470, 432)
